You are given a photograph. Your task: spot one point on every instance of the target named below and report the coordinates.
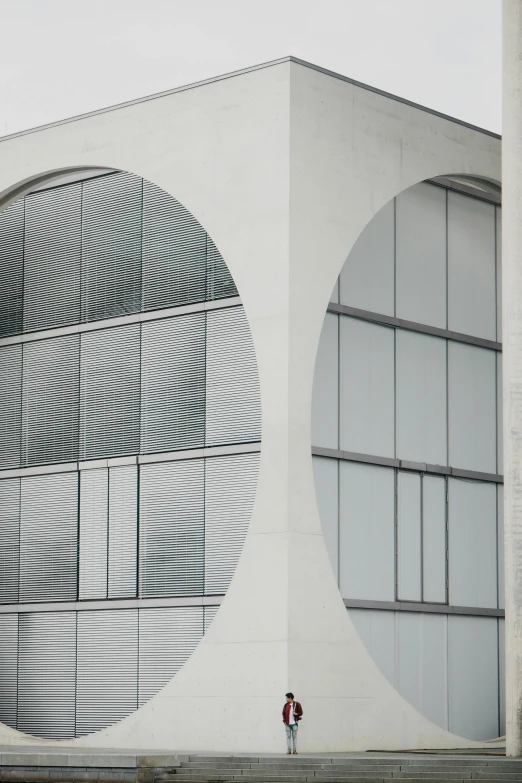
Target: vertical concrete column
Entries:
(512, 362)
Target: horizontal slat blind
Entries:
(46, 674)
(48, 538)
(167, 638)
(10, 405)
(107, 668)
(52, 257)
(11, 268)
(123, 531)
(50, 401)
(230, 486)
(220, 284)
(174, 252)
(209, 612)
(8, 668)
(94, 504)
(9, 540)
(173, 384)
(111, 246)
(171, 528)
(110, 392)
(233, 401)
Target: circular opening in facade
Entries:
(130, 437)
(407, 405)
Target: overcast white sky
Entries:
(64, 57)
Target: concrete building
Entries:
(251, 360)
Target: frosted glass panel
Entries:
(326, 474)
(502, 676)
(500, 526)
(499, 273)
(367, 532)
(366, 388)
(434, 538)
(500, 406)
(421, 255)
(409, 537)
(367, 277)
(376, 630)
(473, 676)
(472, 543)
(471, 266)
(421, 398)
(421, 663)
(325, 401)
(472, 407)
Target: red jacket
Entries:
(298, 712)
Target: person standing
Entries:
(292, 714)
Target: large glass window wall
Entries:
(406, 435)
(129, 448)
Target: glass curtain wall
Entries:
(406, 434)
(125, 355)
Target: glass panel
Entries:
(421, 255)
(472, 543)
(367, 396)
(471, 266)
(409, 537)
(52, 257)
(49, 538)
(11, 268)
(367, 277)
(110, 392)
(173, 384)
(172, 529)
(50, 400)
(111, 246)
(367, 532)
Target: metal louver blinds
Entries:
(48, 538)
(173, 384)
(8, 668)
(94, 502)
(167, 637)
(52, 257)
(233, 401)
(209, 612)
(46, 674)
(110, 392)
(111, 246)
(11, 268)
(174, 252)
(50, 401)
(10, 405)
(9, 540)
(230, 486)
(172, 529)
(220, 284)
(123, 531)
(107, 668)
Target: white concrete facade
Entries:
(284, 165)
(512, 365)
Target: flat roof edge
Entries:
(241, 72)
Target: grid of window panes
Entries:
(407, 430)
(105, 492)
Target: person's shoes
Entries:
(288, 752)
(295, 753)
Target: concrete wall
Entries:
(284, 166)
